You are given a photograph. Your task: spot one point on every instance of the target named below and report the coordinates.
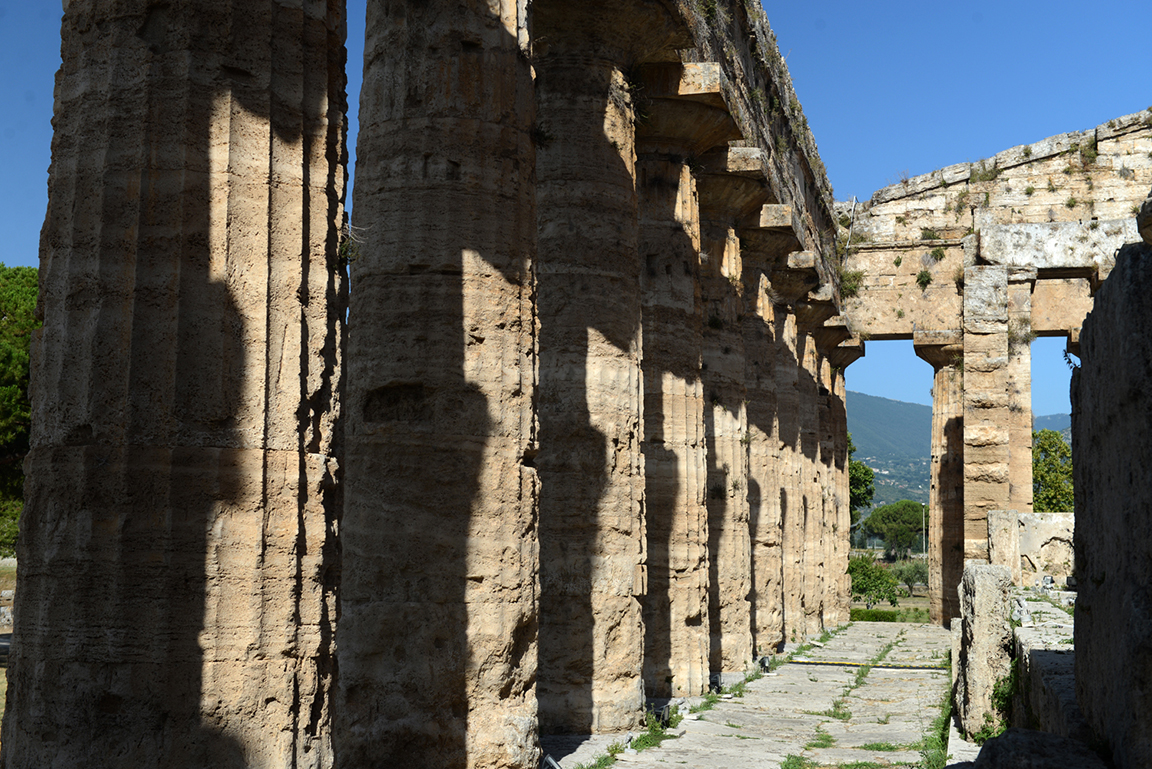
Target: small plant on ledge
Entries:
(923, 279)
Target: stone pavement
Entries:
(817, 711)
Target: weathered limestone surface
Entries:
(1111, 450)
(985, 641)
(439, 624)
(1045, 660)
(676, 645)
(1028, 749)
(177, 557)
(591, 506)
(1032, 545)
(727, 198)
(1004, 541)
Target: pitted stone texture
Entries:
(985, 641)
(177, 557)
(438, 630)
(1028, 749)
(1111, 451)
(1144, 220)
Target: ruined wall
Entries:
(1111, 449)
(989, 255)
(177, 555)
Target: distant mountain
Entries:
(1061, 423)
(894, 438)
(886, 429)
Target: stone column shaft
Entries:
(726, 423)
(177, 557)
(676, 603)
(763, 466)
(439, 626)
(946, 500)
(591, 412)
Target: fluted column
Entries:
(945, 351)
(177, 557)
(438, 631)
(764, 481)
(591, 504)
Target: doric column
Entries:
(815, 493)
(591, 469)
(945, 352)
(685, 116)
(834, 467)
(177, 555)
(438, 631)
(987, 413)
(726, 198)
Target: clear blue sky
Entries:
(887, 87)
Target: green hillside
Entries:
(888, 429)
(894, 439)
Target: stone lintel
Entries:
(1085, 245)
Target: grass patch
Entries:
(927, 233)
(938, 254)
(934, 746)
(882, 746)
(822, 740)
(796, 762)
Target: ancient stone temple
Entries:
(574, 438)
(585, 443)
(972, 262)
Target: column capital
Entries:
(939, 348)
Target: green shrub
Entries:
(874, 615)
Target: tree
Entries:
(911, 573)
(18, 291)
(899, 523)
(861, 484)
(871, 582)
(1051, 473)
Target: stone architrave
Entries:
(177, 557)
(439, 625)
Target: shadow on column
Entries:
(154, 495)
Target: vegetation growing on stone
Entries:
(923, 279)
